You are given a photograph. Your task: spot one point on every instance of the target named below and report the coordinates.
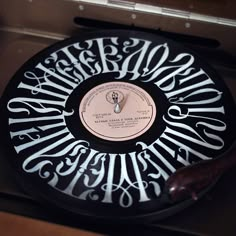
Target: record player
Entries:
(138, 36)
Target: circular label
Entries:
(117, 111)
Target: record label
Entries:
(117, 111)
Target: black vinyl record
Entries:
(97, 123)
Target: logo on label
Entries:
(115, 97)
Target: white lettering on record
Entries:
(114, 177)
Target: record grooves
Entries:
(96, 124)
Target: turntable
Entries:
(96, 124)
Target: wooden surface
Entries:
(12, 225)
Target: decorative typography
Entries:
(37, 121)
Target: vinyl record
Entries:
(97, 123)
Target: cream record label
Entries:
(117, 111)
(96, 124)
